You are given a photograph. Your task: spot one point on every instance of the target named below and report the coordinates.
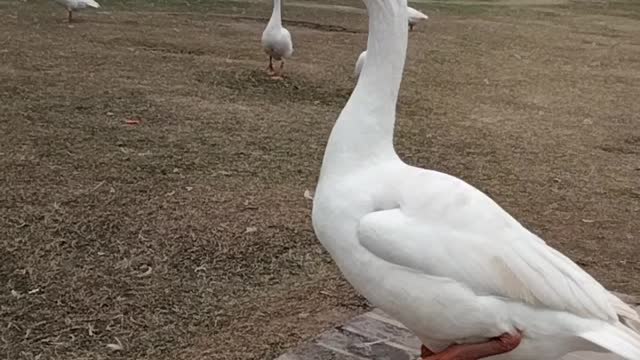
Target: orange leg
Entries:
(502, 344)
(278, 74)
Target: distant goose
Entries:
(73, 5)
(360, 63)
(415, 17)
(276, 41)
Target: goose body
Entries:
(436, 253)
(276, 40)
(74, 5)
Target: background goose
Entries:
(276, 40)
(436, 253)
(73, 5)
(415, 17)
(360, 63)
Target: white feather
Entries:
(617, 338)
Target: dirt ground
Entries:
(187, 235)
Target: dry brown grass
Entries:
(188, 236)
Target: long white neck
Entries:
(364, 129)
(276, 15)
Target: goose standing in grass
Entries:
(276, 41)
(73, 5)
(415, 17)
(436, 253)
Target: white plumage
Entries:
(436, 253)
(276, 40)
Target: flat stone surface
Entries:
(375, 335)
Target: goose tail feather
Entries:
(617, 338)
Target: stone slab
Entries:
(375, 335)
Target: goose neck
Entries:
(364, 129)
(276, 15)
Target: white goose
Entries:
(276, 40)
(360, 63)
(415, 17)
(439, 255)
(73, 5)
